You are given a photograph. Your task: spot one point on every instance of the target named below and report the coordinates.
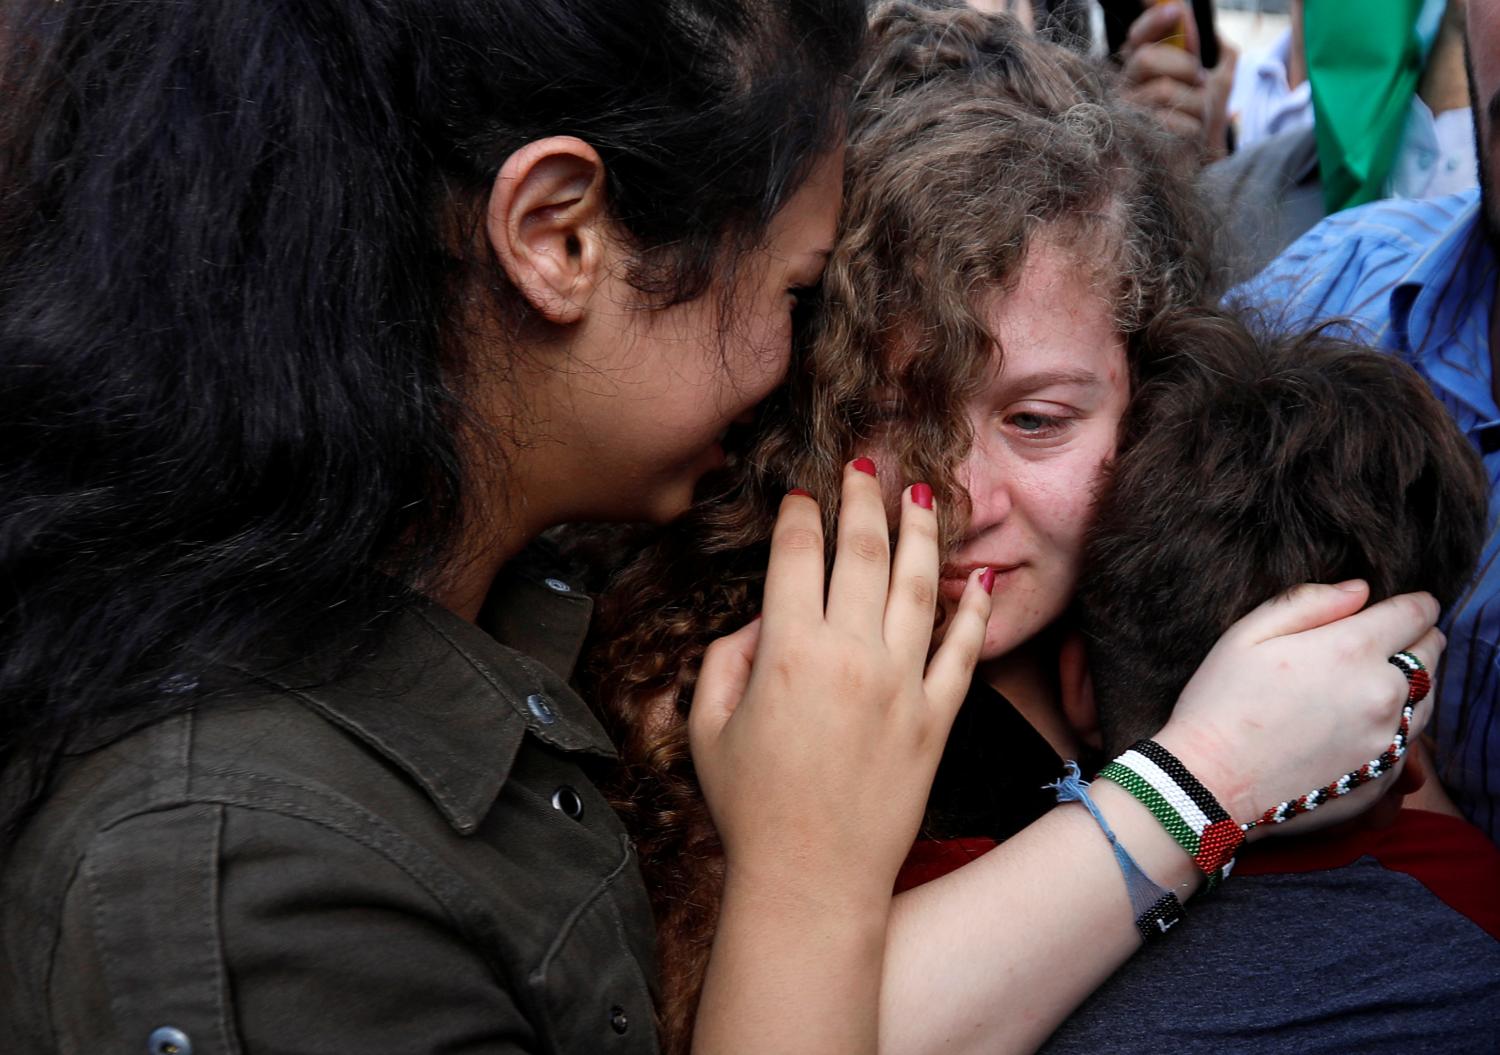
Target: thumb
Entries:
(1302, 608)
(721, 681)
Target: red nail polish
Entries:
(922, 495)
(800, 491)
(864, 465)
(987, 580)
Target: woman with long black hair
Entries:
(313, 317)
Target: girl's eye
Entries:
(1036, 424)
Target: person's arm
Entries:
(992, 957)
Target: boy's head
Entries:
(1249, 465)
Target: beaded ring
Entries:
(1418, 684)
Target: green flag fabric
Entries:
(1364, 62)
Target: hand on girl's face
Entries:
(816, 731)
(1298, 693)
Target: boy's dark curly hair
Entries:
(1250, 464)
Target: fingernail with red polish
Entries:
(864, 465)
(987, 580)
(800, 491)
(922, 495)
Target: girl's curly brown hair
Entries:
(968, 139)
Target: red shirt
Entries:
(1450, 857)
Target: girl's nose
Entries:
(984, 477)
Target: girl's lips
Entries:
(954, 577)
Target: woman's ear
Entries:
(547, 224)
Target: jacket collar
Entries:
(449, 704)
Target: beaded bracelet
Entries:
(1155, 908)
(1418, 684)
(1185, 808)
(1194, 818)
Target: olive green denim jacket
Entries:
(412, 860)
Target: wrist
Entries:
(1152, 847)
(808, 893)
(796, 965)
(1212, 761)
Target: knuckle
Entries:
(923, 528)
(784, 670)
(868, 546)
(966, 653)
(1417, 607)
(856, 677)
(976, 605)
(964, 637)
(795, 656)
(799, 539)
(928, 739)
(922, 590)
(1351, 654)
(1386, 698)
(851, 674)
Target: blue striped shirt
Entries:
(1418, 278)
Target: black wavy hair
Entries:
(230, 372)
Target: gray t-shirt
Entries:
(1352, 959)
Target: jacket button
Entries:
(558, 586)
(618, 1020)
(565, 800)
(169, 1041)
(538, 705)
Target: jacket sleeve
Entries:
(207, 929)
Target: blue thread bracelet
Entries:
(1155, 908)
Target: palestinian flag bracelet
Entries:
(1194, 818)
(1185, 808)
